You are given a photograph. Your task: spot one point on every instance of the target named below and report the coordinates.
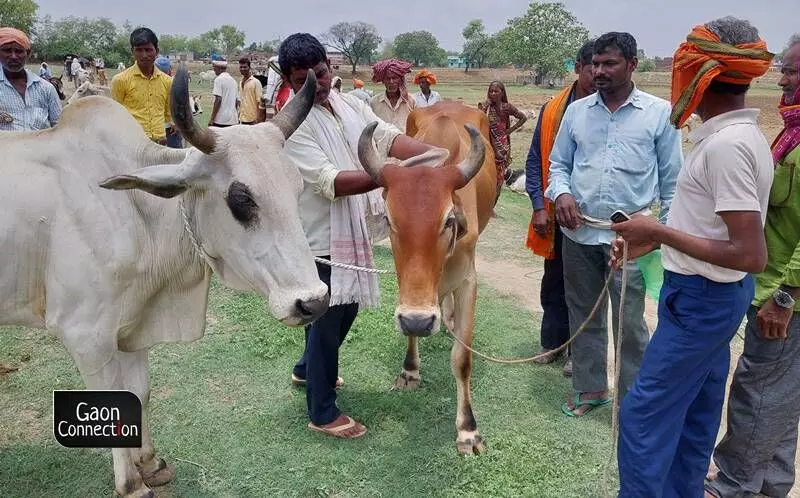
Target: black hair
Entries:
(245, 60)
(300, 51)
(143, 36)
(721, 87)
(585, 53)
(624, 42)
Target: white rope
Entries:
(352, 267)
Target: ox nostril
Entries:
(417, 325)
(312, 308)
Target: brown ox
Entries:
(436, 209)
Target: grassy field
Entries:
(225, 403)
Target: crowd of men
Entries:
(728, 227)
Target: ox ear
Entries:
(163, 180)
(461, 222)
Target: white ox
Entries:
(87, 89)
(113, 273)
(208, 76)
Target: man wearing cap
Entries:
(226, 104)
(394, 105)
(426, 97)
(27, 102)
(144, 89)
(359, 91)
(712, 242)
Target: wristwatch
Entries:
(783, 299)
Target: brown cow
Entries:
(436, 211)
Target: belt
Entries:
(593, 222)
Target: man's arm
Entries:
(561, 158)
(53, 105)
(117, 89)
(533, 167)
(170, 129)
(669, 157)
(217, 93)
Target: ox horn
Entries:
(477, 153)
(203, 139)
(296, 110)
(368, 155)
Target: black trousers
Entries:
(555, 320)
(319, 364)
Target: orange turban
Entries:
(425, 75)
(358, 83)
(703, 58)
(9, 35)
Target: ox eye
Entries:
(242, 205)
(449, 223)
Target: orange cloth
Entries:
(9, 35)
(703, 58)
(425, 75)
(358, 83)
(551, 121)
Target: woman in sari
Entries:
(499, 112)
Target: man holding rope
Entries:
(714, 237)
(615, 150)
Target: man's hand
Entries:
(617, 252)
(540, 221)
(567, 212)
(773, 321)
(172, 131)
(641, 234)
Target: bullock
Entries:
(436, 210)
(58, 83)
(114, 273)
(88, 89)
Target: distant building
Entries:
(337, 59)
(456, 61)
(663, 65)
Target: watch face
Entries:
(783, 299)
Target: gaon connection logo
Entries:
(97, 419)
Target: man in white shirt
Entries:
(75, 69)
(426, 97)
(226, 105)
(713, 240)
(337, 193)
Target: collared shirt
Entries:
(395, 114)
(420, 100)
(319, 172)
(728, 169)
(40, 108)
(147, 99)
(782, 231)
(533, 165)
(615, 161)
(249, 98)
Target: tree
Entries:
(355, 40)
(421, 47)
(170, 44)
(477, 45)
(646, 65)
(20, 14)
(387, 50)
(82, 36)
(542, 39)
(231, 40)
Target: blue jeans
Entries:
(670, 418)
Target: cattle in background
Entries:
(114, 273)
(88, 89)
(58, 83)
(437, 205)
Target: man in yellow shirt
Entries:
(143, 89)
(249, 94)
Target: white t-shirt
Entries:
(225, 87)
(433, 98)
(729, 169)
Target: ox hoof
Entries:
(159, 477)
(407, 382)
(471, 446)
(142, 492)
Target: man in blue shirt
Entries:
(27, 102)
(615, 150)
(544, 235)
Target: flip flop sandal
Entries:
(339, 431)
(297, 381)
(591, 403)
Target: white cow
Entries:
(88, 89)
(207, 76)
(113, 273)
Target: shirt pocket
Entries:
(782, 184)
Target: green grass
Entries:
(225, 403)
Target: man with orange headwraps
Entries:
(426, 97)
(27, 102)
(394, 105)
(359, 91)
(713, 240)
(757, 454)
